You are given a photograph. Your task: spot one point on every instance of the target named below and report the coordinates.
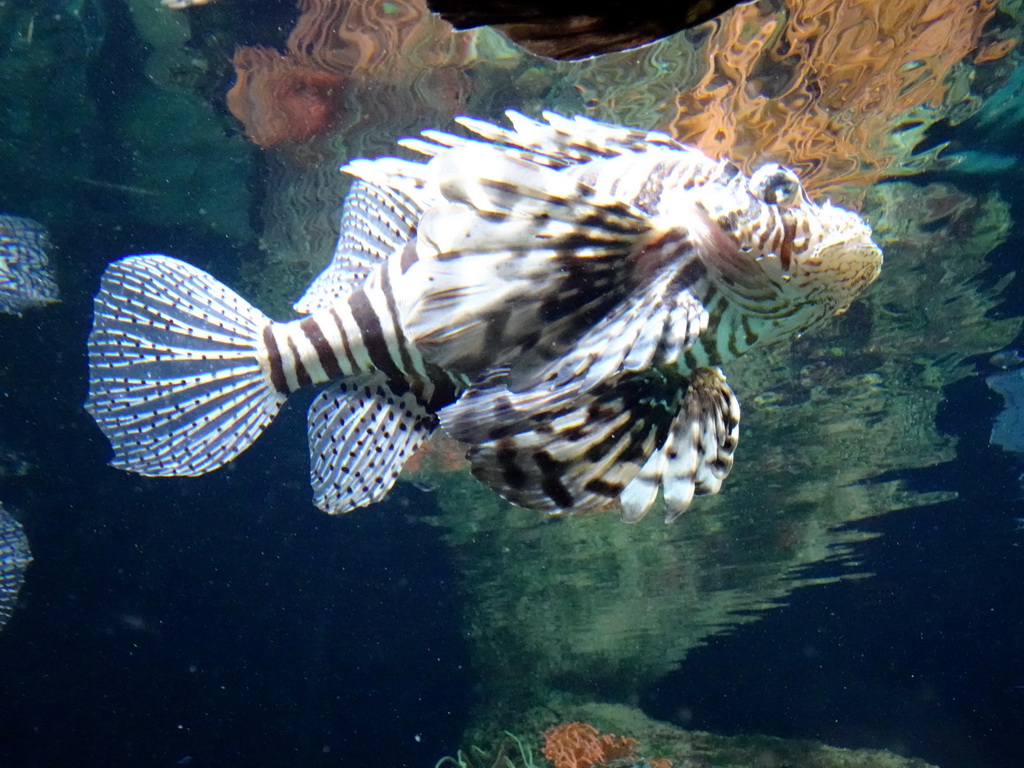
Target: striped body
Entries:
(358, 335)
(363, 331)
(769, 262)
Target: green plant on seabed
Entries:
(500, 760)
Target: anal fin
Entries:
(361, 433)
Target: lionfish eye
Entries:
(776, 185)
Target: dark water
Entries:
(217, 622)
(223, 621)
(926, 658)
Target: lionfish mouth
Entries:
(846, 260)
(819, 253)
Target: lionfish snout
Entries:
(844, 261)
(796, 261)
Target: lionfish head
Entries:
(796, 262)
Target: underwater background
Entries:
(857, 582)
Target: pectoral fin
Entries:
(579, 457)
(697, 454)
(522, 258)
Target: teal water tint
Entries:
(160, 609)
(855, 582)
(927, 649)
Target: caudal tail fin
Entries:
(175, 380)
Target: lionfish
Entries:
(26, 280)
(558, 295)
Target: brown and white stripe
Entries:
(360, 334)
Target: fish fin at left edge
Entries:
(361, 433)
(15, 557)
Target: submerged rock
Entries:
(658, 743)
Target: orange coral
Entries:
(578, 745)
(388, 54)
(376, 38)
(440, 454)
(842, 90)
(282, 99)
